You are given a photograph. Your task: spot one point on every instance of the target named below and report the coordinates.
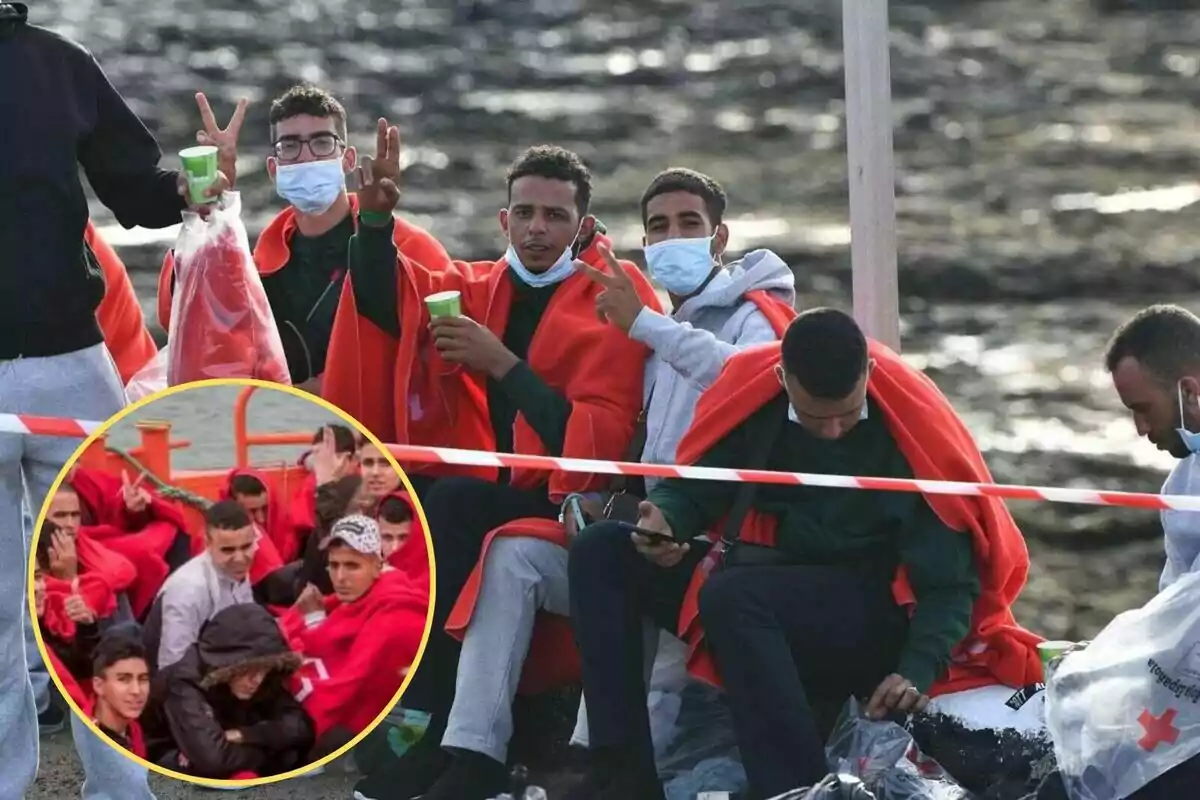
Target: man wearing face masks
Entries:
(809, 601)
(717, 312)
(551, 378)
(1154, 359)
(305, 254)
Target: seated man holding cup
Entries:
(507, 356)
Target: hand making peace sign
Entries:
(620, 302)
(224, 139)
(133, 493)
(379, 178)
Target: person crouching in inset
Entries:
(223, 710)
(120, 688)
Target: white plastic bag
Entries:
(1126, 709)
(221, 323)
(149, 379)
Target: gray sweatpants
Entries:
(82, 385)
(520, 577)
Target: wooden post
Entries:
(871, 168)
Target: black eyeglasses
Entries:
(321, 145)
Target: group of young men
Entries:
(791, 598)
(241, 662)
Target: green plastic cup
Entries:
(444, 304)
(1052, 650)
(200, 166)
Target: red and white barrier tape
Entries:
(47, 426)
(442, 455)
(75, 428)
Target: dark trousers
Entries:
(461, 512)
(613, 587)
(792, 640)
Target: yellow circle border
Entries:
(242, 383)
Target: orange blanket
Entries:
(119, 314)
(572, 351)
(938, 446)
(553, 660)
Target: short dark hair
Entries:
(825, 351)
(1163, 339)
(45, 541)
(345, 440)
(246, 484)
(556, 164)
(304, 98)
(679, 179)
(116, 647)
(395, 510)
(226, 515)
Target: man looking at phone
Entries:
(808, 602)
(718, 310)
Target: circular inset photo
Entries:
(230, 581)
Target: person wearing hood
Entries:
(1154, 360)
(405, 544)
(224, 708)
(357, 643)
(305, 254)
(250, 489)
(719, 310)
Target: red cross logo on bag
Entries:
(1158, 729)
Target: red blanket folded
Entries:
(356, 659)
(142, 539)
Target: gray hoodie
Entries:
(1181, 529)
(691, 346)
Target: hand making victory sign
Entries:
(225, 140)
(619, 303)
(134, 494)
(379, 177)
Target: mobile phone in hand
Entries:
(655, 537)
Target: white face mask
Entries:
(681, 266)
(311, 187)
(562, 269)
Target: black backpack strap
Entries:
(761, 440)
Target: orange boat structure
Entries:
(194, 489)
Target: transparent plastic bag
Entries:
(149, 379)
(221, 323)
(1126, 709)
(885, 760)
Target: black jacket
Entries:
(191, 706)
(60, 112)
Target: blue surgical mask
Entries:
(562, 269)
(1190, 440)
(681, 266)
(311, 187)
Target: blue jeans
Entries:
(82, 385)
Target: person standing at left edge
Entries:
(60, 113)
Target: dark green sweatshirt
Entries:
(844, 526)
